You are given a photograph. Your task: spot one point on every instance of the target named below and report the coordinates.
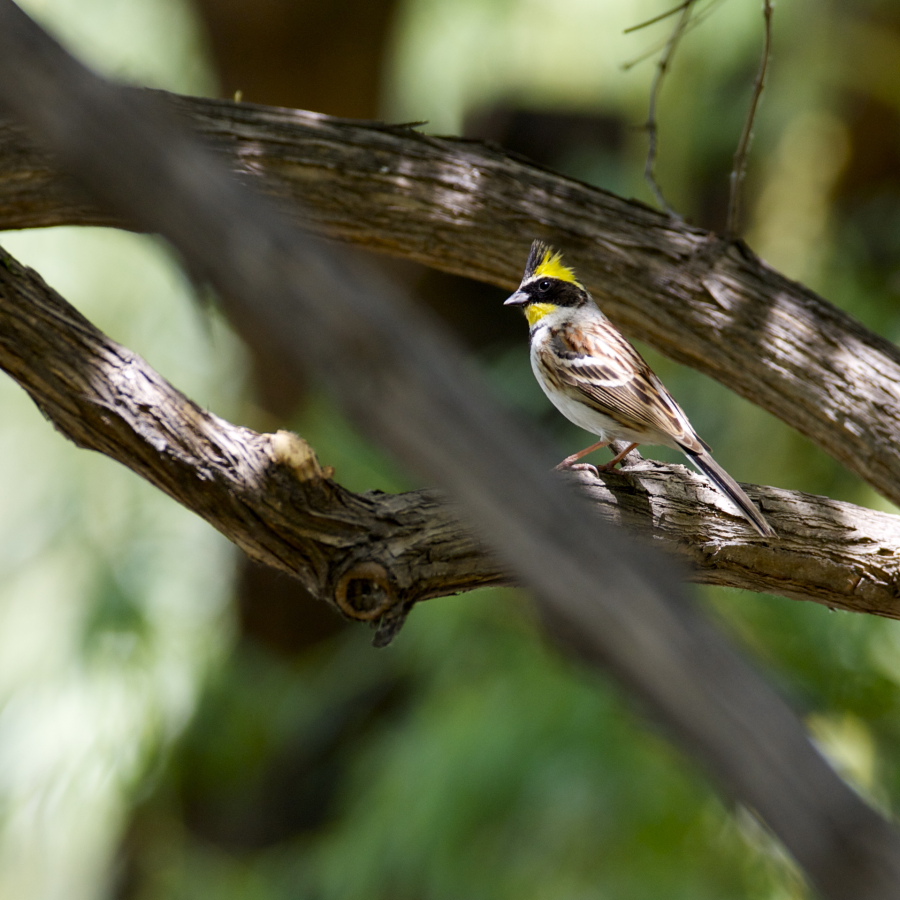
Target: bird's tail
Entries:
(728, 486)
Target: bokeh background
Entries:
(178, 723)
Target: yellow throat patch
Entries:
(534, 312)
(551, 266)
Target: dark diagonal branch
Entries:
(269, 495)
(471, 210)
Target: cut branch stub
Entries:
(365, 592)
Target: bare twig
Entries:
(651, 125)
(739, 167)
(697, 17)
(662, 16)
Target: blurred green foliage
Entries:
(113, 600)
(148, 752)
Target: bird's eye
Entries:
(544, 285)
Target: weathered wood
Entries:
(374, 554)
(466, 208)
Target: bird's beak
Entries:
(519, 298)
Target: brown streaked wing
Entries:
(616, 381)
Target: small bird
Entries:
(597, 380)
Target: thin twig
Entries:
(662, 68)
(659, 18)
(697, 18)
(739, 168)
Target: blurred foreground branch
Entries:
(472, 210)
(406, 385)
(373, 555)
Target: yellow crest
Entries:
(545, 262)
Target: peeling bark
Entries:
(373, 555)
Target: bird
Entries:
(597, 380)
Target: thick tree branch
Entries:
(269, 495)
(470, 209)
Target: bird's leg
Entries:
(569, 461)
(607, 467)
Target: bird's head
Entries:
(548, 285)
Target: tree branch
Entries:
(373, 555)
(470, 209)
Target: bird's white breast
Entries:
(576, 411)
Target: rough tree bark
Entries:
(440, 201)
(373, 555)
(470, 209)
